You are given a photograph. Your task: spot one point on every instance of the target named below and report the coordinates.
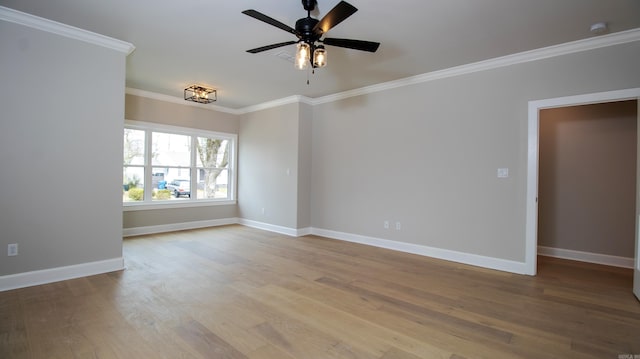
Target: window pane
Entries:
(133, 147)
(170, 149)
(133, 184)
(173, 159)
(212, 153)
(179, 188)
(159, 185)
(212, 183)
(170, 183)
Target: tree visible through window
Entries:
(165, 164)
(213, 159)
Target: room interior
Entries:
(444, 155)
(421, 147)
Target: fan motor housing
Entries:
(309, 5)
(305, 26)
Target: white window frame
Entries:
(147, 203)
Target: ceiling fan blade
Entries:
(338, 14)
(352, 44)
(269, 20)
(269, 47)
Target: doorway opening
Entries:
(587, 183)
(535, 107)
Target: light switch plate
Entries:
(503, 172)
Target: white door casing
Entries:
(531, 247)
(636, 267)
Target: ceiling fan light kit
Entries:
(319, 57)
(310, 50)
(303, 53)
(200, 94)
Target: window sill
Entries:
(126, 207)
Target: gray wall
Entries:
(62, 104)
(150, 110)
(427, 154)
(587, 181)
(268, 166)
(139, 108)
(305, 122)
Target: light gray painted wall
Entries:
(426, 155)
(62, 104)
(160, 217)
(268, 166)
(587, 178)
(150, 110)
(305, 118)
(139, 108)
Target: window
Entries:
(175, 166)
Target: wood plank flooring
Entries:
(238, 292)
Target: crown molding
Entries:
(593, 43)
(61, 29)
(180, 101)
(240, 111)
(276, 103)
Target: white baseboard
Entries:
(445, 254)
(172, 227)
(293, 232)
(454, 256)
(304, 231)
(589, 257)
(27, 279)
(460, 257)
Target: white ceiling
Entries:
(182, 42)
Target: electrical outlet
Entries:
(262, 210)
(12, 249)
(386, 224)
(398, 226)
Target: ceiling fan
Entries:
(310, 32)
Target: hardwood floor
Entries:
(238, 292)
